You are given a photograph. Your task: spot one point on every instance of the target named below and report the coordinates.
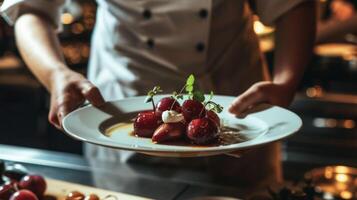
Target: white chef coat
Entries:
(137, 44)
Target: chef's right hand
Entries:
(69, 90)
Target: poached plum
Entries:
(23, 195)
(146, 123)
(92, 197)
(34, 183)
(191, 109)
(75, 195)
(214, 117)
(165, 104)
(173, 121)
(202, 131)
(6, 190)
(168, 132)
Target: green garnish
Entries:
(198, 96)
(190, 80)
(176, 95)
(210, 96)
(189, 85)
(151, 94)
(193, 94)
(210, 105)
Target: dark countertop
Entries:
(137, 179)
(158, 182)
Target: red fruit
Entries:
(146, 123)
(92, 197)
(7, 190)
(191, 109)
(75, 195)
(34, 183)
(168, 132)
(202, 131)
(24, 195)
(214, 117)
(165, 104)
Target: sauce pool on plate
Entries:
(227, 135)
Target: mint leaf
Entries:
(190, 80)
(189, 89)
(214, 107)
(156, 90)
(218, 108)
(198, 96)
(151, 94)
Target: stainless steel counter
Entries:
(157, 182)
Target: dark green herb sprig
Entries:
(197, 95)
(190, 89)
(211, 105)
(151, 94)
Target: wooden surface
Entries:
(60, 189)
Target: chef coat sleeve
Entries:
(270, 10)
(12, 9)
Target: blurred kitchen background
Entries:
(326, 100)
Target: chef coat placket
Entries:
(170, 34)
(180, 30)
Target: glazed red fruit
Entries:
(191, 109)
(146, 123)
(7, 190)
(214, 117)
(168, 132)
(202, 131)
(165, 104)
(34, 183)
(75, 195)
(92, 197)
(23, 195)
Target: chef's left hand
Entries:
(262, 92)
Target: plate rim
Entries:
(205, 150)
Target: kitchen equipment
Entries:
(334, 68)
(337, 182)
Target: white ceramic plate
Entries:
(100, 126)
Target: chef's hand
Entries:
(262, 92)
(69, 90)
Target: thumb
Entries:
(245, 101)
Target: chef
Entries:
(138, 44)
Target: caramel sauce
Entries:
(227, 136)
(122, 125)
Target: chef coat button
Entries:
(150, 42)
(200, 47)
(203, 13)
(147, 14)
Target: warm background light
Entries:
(67, 18)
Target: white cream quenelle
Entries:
(171, 116)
